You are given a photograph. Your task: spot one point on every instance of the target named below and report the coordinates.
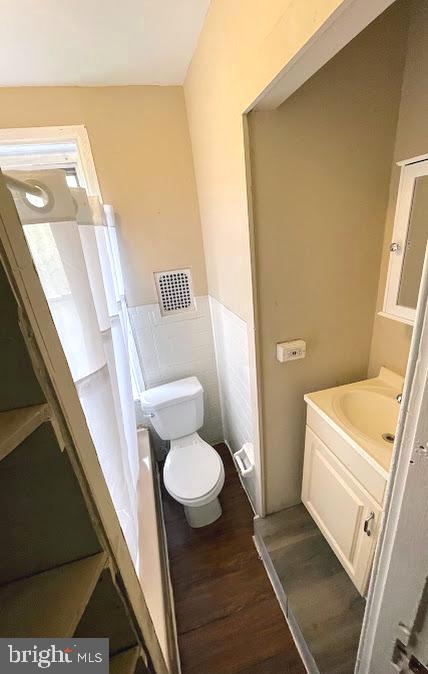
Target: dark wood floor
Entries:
(228, 618)
(321, 596)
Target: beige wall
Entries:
(141, 147)
(320, 169)
(243, 45)
(391, 339)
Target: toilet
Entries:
(193, 473)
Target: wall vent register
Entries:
(175, 291)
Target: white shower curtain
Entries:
(73, 243)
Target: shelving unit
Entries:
(59, 596)
(45, 522)
(106, 614)
(65, 570)
(16, 425)
(128, 662)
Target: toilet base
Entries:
(201, 516)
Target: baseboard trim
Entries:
(296, 633)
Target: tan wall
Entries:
(321, 168)
(391, 339)
(243, 45)
(141, 147)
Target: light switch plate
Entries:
(294, 350)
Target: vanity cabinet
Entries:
(346, 513)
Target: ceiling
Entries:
(98, 42)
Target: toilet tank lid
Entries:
(171, 394)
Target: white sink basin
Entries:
(366, 411)
(371, 412)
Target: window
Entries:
(72, 177)
(66, 148)
(39, 156)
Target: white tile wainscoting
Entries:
(177, 346)
(231, 348)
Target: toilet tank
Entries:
(176, 409)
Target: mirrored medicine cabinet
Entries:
(409, 242)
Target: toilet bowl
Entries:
(193, 473)
(194, 476)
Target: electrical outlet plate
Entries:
(293, 350)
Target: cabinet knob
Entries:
(367, 523)
(394, 247)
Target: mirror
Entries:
(409, 242)
(416, 241)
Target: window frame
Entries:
(77, 134)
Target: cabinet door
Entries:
(340, 506)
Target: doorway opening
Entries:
(327, 170)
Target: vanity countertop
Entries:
(365, 412)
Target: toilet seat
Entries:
(193, 472)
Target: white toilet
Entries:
(193, 473)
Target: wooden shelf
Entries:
(127, 662)
(44, 520)
(106, 616)
(19, 384)
(49, 604)
(16, 425)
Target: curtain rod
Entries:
(22, 187)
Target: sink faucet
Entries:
(399, 398)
